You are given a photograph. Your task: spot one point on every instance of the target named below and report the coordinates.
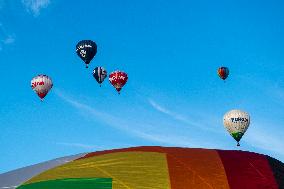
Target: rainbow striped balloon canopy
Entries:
(163, 168)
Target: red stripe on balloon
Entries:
(247, 170)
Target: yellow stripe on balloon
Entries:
(127, 169)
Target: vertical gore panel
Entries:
(278, 171)
(247, 170)
(195, 168)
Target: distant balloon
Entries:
(41, 84)
(99, 74)
(86, 50)
(118, 79)
(236, 122)
(223, 72)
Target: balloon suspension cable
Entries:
(41, 99)
(238, 144)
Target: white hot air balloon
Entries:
(236, 122)
(41, 84)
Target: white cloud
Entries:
(190, 122)
(256, 137)
(170, 113)
(265, 139)
(6, 38)
(35, 6)
(154, 135)
(160, 109)
(9, 40)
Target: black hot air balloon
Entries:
(99, 74)
(86, 50)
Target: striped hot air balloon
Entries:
(99, 73)
(162, 168)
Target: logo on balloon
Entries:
(239, 119)
(34, 84)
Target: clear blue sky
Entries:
(170, 50)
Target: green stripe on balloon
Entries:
(237, 136)
(71, 183)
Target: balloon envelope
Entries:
(223, 72)
(41, 84)
(99, 73)
(155, 167)
(118, 79)
(236, 122)
(86, 50)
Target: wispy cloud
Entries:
(170, 113)
(6, 38)
(35, 6)
(256, 138)
(9, 40)
(6, 41)
(179, 117)
(160, 108)
(262, 139)
(127, 125)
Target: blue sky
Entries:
(170, 50)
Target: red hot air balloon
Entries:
(118, 79)
(41, 84)
(223, 72)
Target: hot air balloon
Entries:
(118, 79)
(223, 72)
(236, 122)
(86, 50)
(41, 84)
(152, 167)
(99, 74)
